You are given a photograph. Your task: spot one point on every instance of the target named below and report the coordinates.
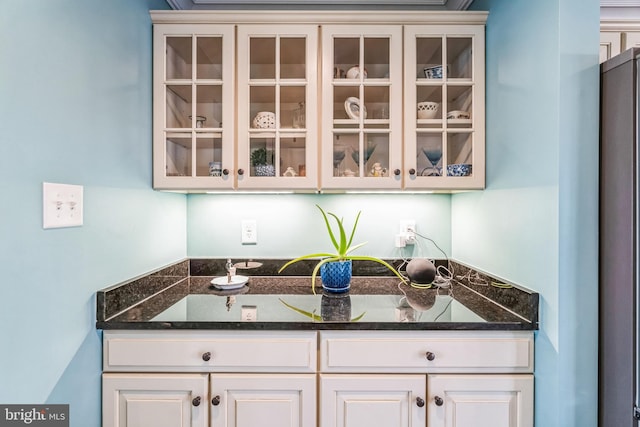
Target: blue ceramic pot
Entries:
(336, 276)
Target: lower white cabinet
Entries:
(480, 400)
(363, 400)
(318, 379)
(251, 400)
(200, 400)
(158, 400)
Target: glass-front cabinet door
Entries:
(444, 107)
(361, 107)
(277, 107)
(193, 107)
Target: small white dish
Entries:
(352, 107)
(237, 282)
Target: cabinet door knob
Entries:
(206, 356)
(196, 401)
(419, 402)
(225, 171)
(240, 171)
(216, 400)
(412, 171)
(430, 356)
(438, 400)
(396, 172)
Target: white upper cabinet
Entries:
(362, 106)
(277, 134)
(444, 107)
(319, 100)
(193, 112)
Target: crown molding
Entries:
(422, 4)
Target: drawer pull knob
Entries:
(216, 400)
(196, 401)
(241, 172)
(396, 172)
(225, 172)
(430, 356)
(206, 356)
(412, 171)
(438, 400)
(419, 402)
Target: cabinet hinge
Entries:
(636, 413)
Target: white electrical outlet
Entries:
(249, 313)
(61, 205)
(249, 231)
(408, 230)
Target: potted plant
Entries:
(260, 163)
(335, 268)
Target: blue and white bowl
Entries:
(460, 169)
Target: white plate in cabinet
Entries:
(220, 351)
(480, 400)
(429, 351)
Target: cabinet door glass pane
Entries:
(344, 163)
(429, 154)
(429, 108)
(208, 106)
(292, 106)
(262, 152)
(459, 57)
(347, 106)
(179, 58)
(262, 58)
(459, 154)
(376, 102)
(346, 55)
(179, 104)
(376, 57)
(459, 102)
(292, 58)
(178, 155)
(292, 157)
(209, 58)
(208, 156)
(376, 154)
(262, 106)
(429, 58)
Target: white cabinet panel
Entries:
(251, 400)
(219, 351)
(372, 400)
(480, 400)
(432, 351)
(140, 400)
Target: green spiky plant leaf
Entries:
(343, 248)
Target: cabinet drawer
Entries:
(428, 351)
(226, 351)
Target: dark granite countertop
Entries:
(181, 296)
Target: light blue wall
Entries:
(75, 102)
(536, 223)
(75, 107)
(290, 225)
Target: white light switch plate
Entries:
(61, 205)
